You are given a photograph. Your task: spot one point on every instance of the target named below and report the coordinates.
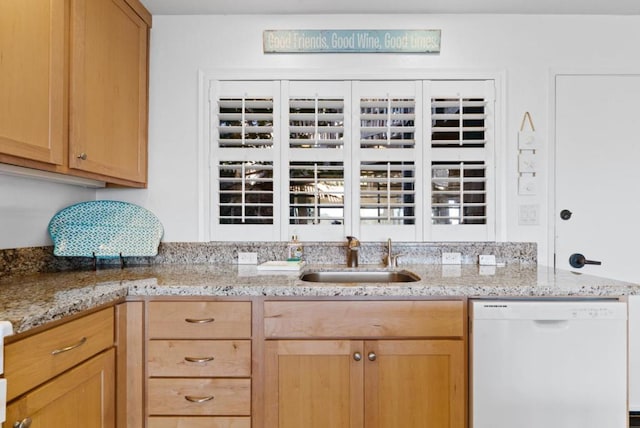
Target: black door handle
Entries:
(565, 214)
(577, 260)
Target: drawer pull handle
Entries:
(196, 399)
(199, 320)
(70, 347)
(198, 359)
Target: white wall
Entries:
(526, 49)
(27, 205)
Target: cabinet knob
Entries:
(357, 356)
(82, 156)
(25, 423)
(372, 356)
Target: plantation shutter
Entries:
(461, 156)
(317, 123)
(387, 159)
(244, 161)
(410, 160)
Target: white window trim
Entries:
(207, 76)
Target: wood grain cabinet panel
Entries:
(33, 79)
(199, 320)
(108, 90)
(81, 397)
(74, 85)
(318, 319)
(35, 359)
(414, 384)
(199, 358)
(199, 364)
(313, 381)
(201, 396)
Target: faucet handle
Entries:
(394, 259)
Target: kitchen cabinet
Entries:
(83, 396)
(63, 376)
(374, 364)
(199, 364)
(75, 75)
(108, 90)
(33, 76)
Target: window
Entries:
(410, 160)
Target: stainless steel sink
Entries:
(359, 276)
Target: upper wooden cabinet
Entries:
(32, 79)
(75, 75)
(108, 90)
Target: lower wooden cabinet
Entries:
(373, 364)
(81, 397)
(353, 383)
(199, 357)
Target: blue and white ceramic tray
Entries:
(105, 229)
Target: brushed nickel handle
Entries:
(198, 359)
(199, 320)
(372, 356)
(82, 156)
(197, 399)
(25, 423)
(70, 347)
(357, 356)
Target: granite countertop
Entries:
(29, 301)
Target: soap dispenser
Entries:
(294, 249)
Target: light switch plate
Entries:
(528, 215)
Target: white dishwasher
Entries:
(548, 364)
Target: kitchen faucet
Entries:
(353, 245)
(390, 260)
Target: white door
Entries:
(597, 175)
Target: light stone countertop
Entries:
(30, 301)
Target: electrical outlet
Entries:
(247, 258)
(451, 258)
(487, 260)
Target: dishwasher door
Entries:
(551, 364)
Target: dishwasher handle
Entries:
(551, 324)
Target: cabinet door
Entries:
(313, 384)
(415, 384)
(108, 90)
(81, 397)
(32, 79)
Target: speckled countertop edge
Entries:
(30, 301)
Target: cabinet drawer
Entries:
(35, 359)
(199, 320)
(199, 358)
(198, 422)
(217, 396)
(365, 319)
